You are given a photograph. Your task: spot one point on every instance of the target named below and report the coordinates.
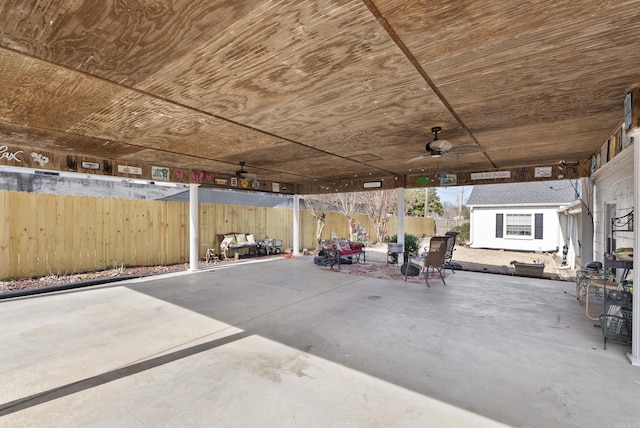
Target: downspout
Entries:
(471, 211)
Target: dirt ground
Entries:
(493, 261)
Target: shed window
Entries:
(518, 225)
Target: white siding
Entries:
(483, 221)
(613, 183)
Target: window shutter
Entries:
(499, 227)
(538, 227)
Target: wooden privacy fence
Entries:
(44, 234)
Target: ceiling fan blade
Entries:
(466, 149)
(449, 156)
(440, 145)
(417, 158)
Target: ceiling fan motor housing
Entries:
(241, 172)
(433, 152)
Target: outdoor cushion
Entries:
(347, 252)
(227, 241)
(241, 237)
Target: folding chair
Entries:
(450, 247)
(433, 261)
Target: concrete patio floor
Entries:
(285, 343)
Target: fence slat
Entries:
(5, 233)
(22, 242)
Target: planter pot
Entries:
(533, 270)
(394, 247)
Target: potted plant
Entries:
(411, 246)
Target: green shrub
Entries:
(464, 233)
(411, 242)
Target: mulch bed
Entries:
(45, 281)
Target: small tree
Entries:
(464, 233)
(378, 205)
(414, 202)
(318, 205)
(420, 202)
(346, 203)
(433, 203)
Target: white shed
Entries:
(521, 216)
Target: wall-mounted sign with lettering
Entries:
(160, 173)
(490, 175)
(90, 165)
(124, 169)
(542, 172)
(372, 184)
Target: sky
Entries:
(452, 194)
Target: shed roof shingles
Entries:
(559, 192)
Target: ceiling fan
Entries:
(443, 149)
(244, 174)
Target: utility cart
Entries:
(269, 246)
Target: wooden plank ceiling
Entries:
(316, 94)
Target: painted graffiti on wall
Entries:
(39, 158)
(10, 156)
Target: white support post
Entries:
(194, 262)
(400, 195)
(296, 225)
(586, 232)
(634, 356)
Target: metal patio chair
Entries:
(433, 261)
(451, 243)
